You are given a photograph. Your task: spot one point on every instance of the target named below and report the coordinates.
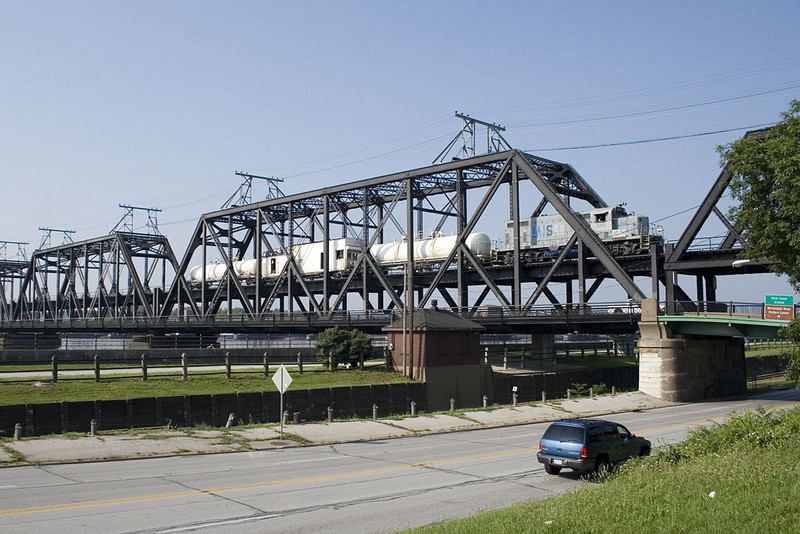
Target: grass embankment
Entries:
(85, 388)
(742, 476)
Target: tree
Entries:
(343, 347)
(765, 179)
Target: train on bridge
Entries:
(541, 239)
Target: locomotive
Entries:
(544, 237)
(541, 238)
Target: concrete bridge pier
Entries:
(686, 368)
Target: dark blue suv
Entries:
(588, 446)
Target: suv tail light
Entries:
(584, 452)
(540, 445)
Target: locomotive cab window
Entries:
(600, 217)
(339, 254)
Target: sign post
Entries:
(779, 307)
(282, 379)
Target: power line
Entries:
(653, 140)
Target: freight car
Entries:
(342, 255)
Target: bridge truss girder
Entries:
(680, 259)
(12, 273)
(115, 276)
(368, 211)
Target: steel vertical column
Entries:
(461, 223)
(86, 277)
(290, 250)
(581, 274)
(654, 270)
(231, 274)
(516, 292)
(410, 270)
(364, 249)
(257, 256)
(326, 251)
(203, 296)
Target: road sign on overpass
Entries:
(779, 307)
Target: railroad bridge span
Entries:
(135, 283)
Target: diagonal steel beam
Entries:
(585, 233)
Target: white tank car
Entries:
(342, 256)
(431, 250)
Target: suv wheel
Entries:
(551, 469)
(602, 468)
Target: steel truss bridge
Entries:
(134, 282)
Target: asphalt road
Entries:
(373, 486)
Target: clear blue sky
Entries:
(156, 104)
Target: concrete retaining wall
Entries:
(258, 407)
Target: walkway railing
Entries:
(748, 310)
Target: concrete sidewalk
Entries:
(151, 442)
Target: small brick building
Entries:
(445, 353)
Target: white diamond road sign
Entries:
(282, 379)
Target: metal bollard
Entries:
(485, 401)
(569, 394)
(184, 366)
(591, 392)
(93, 427)
(286, 417)
(300, 363)
(374, 411)
(413, 408)
(505, 358)
(452, 405)
(544, 396)
(17, 432)
(514, 399)
(613, 390)
(330, 414)
(229, 424)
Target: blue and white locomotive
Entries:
(545, 236)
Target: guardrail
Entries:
(749, 310)
(308, 319)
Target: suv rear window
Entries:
(564, 433)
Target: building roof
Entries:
(434, 319)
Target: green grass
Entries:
(85, 388)
(750, 463)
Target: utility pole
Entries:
(21, 252)
(126, 224)
(48, 232)
(244, 195)
(494, 140)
